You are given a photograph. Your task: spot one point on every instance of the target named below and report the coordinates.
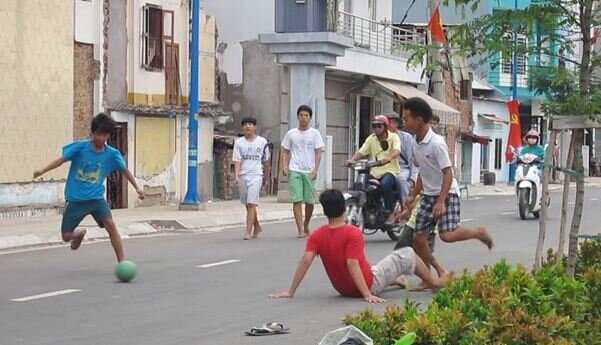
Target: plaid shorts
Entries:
(450, 218)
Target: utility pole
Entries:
(436, 80)
(191, 200)
(514, 89)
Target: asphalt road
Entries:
(173, 301)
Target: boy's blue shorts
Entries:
(76, 211)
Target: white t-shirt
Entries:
(251, 155)
(302, 146)
(432, 156)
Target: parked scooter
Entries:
(528, 185)
(365, 202)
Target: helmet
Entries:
(393, 115)
(533, 134)
(381, 119)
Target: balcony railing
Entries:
(376, 36)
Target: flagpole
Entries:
(437, 80)
(514, 89)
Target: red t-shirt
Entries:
(334, 246)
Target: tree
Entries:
(560, 29)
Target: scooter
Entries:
(528, 185)
(365, 203)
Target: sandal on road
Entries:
(270, 328)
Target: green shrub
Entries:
(502, 305)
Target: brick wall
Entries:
(452, 94)
(225, 179)
(85, 71)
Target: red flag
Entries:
(435, 27)
(515, 129)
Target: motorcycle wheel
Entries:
(523, 203)
(353, 215)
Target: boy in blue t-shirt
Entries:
(92, 161)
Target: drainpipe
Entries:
(191, 199)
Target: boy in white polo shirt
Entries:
(252, 168)
(440, 203)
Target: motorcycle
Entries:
(365, 203)
(528, 185)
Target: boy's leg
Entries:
(73, 214)
(309, 200)
(253, 191)
(251, 215)
(295, 187)
(424, 224)
(451, 231)
(428, 279)
(244, 185)
(104, 219)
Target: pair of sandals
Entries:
(270, 328)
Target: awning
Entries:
(408, 91)
(493, 118)
(475, 138)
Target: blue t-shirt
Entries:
(89, 169)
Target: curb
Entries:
(135, 229)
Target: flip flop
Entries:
(270, 328)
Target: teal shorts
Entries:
(76, 211)
(301, 187)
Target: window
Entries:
(498, 153)
(521, 59)
(465, 91)
(152, 37)
(484, 157)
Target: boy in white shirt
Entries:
(440, 203)
(301, 156)
(251, 162)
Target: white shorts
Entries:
(400, 262)
(250, 189)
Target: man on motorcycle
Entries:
(387, 154)
(406, 179)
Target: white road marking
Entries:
(506, 213)
(467, 220)
(44, 295)
(218, 263)
(594, 199)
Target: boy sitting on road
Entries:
(342, 252)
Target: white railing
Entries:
(375, 36)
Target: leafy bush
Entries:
(502, 305)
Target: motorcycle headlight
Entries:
(527, 158)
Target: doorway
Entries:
(116, 185)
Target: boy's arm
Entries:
(130, 177)
(301, 270)
(53, 165)
(237, 171)
(318, 153)
(359, 280)
(266, 173)
(416, 190)
(285, 161)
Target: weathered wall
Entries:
(85, 71)
(36, 93)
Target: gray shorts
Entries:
(399, 262)
(250, 189)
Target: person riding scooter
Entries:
(387, 154)
(533, 146)
(406, 179)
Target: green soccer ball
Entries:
(125, 271)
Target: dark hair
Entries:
(248, 119)
(332, 202)
(418, 108)
(103, 123)
(435, 118)
(305, 108)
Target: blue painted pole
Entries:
(191, 197)
(514, 89)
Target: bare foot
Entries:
(307, 230)
(257, 231)
(76, 242)
(484, 237)
(301, 236)
(247, 236)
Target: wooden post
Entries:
(565, 199)
(542, 228)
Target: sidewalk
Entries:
(45, 230)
